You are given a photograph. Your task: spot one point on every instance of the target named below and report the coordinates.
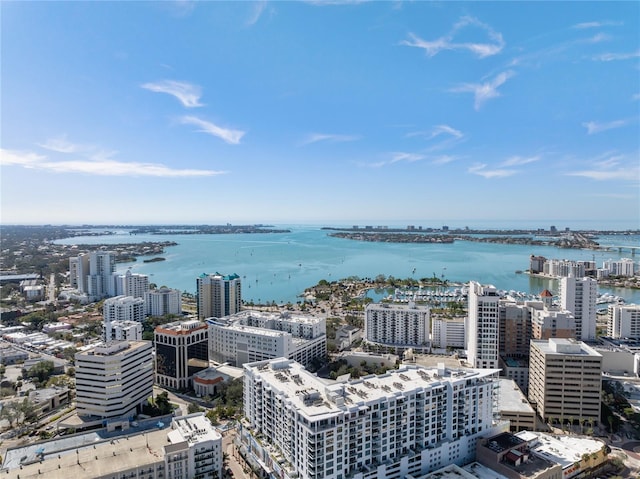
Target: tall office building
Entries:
(218, 295)
(162, 301)
(123, 308)
(409, 421)
(579, 295)
(565, 379)
(114, 380)
(624, 321)
(182, 349)
(515, 328)
(131, 284)
(483, 326)
(398, 325)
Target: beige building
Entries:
(565, 380)
(218, 295)
(514, 407)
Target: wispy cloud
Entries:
(610, 57)
(595, 127)
(437, 131)
(324, 3)
(519, 160)
(230, 136)
(256, 12)
(480, 169)
(629, 173)
(61, 145)
(104, 167)
(187, 93)
(408, 157)
(600, 24)
(443, 159)
(611, 166)
(327, 137)
(493, 46)
(485, 91)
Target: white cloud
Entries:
(609, 57)
(256, 12)
(443, 159)
(485, 91)
(598, 38)
(595, 127)
(230, 136)
(21, 158)
(61, 145)
(519, 160)
(480, 170)
(630, 173)
(605, 23)
(331, 138)
(187, 93)
(98, 166)
(409, 157)
(446, 42)
(437, 131)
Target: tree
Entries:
(162, 403)
(193, 408)
(40, 372)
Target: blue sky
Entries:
(320, 112)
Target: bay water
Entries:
(279, 266)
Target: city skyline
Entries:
(312, 112)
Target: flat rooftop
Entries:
(474, 470)
(312, 397)
(564, 450)
(511, 398)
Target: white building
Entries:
(482, 326)
(131, 284)
(122, 331)
(100, 284)
(399, 325)
(621, 267)
(184, 448)
(579, 295)
(408, 421)
(113, 380)
(163, 301)
(623, 321)
(448, 333)
(123, 308)
(251, 336)
(79, 272)
(218, 295)
(565, 267)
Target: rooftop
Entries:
(511, 398)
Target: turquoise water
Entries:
(278, 267)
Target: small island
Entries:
(154, 260)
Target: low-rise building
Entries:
(514, 407)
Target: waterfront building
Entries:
(409, 421)
(163, 301)
(448, 333)
(100, 284)
(482, 326)
(251, 336)
(621, 267)
(123, 308)
(579, 295)
(181, 351)
(536, 264)
(122, 331)
(399, 326)
(564, 268)
(623, 321)
(218, 295)
(175, 448)
(565, 380)
(131, 284)
(114, 380)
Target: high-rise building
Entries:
(218, 295)
(621, 267)
(250, 336)
(409, 421)
(483, 326)
(114, 380)
(398, 325)
(163, 301)
(79, 272)
(448, 333)
(182, 349)
(123, 308)
(515, 328)
(98, 279)
(131, 284)
(579, 295)
(624, 321)
(122, 331)
(565, 379)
